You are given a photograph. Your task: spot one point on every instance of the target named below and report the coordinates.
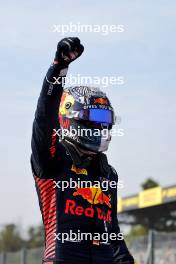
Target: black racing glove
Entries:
(68, 50)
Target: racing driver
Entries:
(59, 155)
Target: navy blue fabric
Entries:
(52, 161)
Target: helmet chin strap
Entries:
(79, 157)
(85, 151)
(82, 157)
(81, 150)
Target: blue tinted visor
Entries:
(97, 115)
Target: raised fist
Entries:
(68, 50)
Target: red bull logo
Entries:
(73, 209)
(104, 199)
(93, 195)
(102, 101)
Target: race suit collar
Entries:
(82, 160)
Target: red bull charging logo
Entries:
(93, 195)
(102, 101)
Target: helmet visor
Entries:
(97, 115)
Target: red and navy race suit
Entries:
(74, 208)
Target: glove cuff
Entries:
(61, 62)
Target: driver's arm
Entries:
(46, 116)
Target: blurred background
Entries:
(144, 157)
